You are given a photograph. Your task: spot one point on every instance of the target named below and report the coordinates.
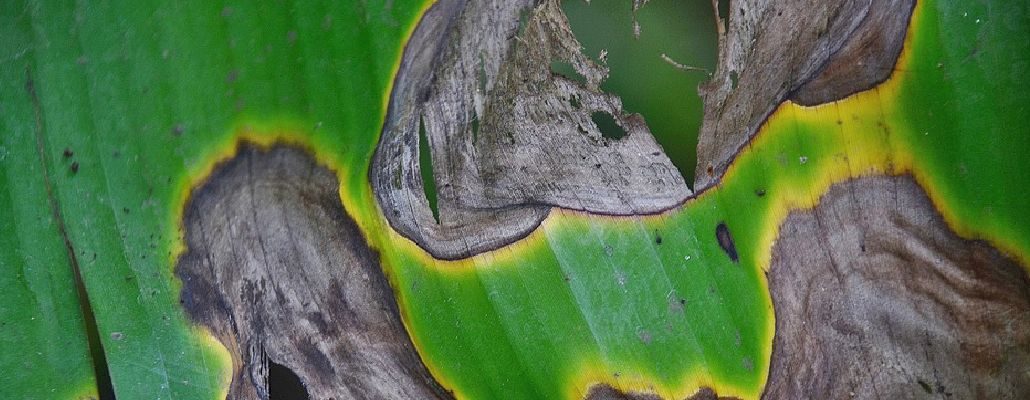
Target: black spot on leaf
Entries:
(722, 234)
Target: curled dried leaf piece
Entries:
(808, 51)
(509, 137)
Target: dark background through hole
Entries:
(684, 31)
(283, 384)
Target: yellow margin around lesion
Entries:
(264, 134)
(635, 382)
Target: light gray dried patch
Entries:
(535, 145)
(875, 297)
(277, 270)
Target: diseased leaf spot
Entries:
(606, 124)
(178, 129)
(722, 234)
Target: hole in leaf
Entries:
(283, 384)
(724, 14)
(609, 128)
(475, 128)
(568, 71)
(666, 94)
(481, 76)
(425, 163)
(523, 21)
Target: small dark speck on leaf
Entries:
(760, 192)
(178, 129)
(657, 238)
(75, 167)
(68, 153)
(722, 234)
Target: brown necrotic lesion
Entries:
(281, 274)
(876, 297)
